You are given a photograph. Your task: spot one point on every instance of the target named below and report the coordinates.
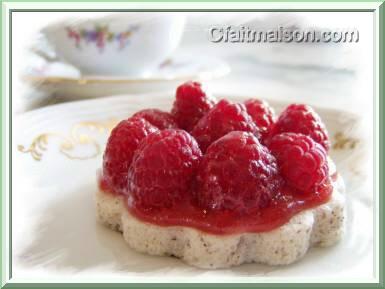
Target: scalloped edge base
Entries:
(322, 226)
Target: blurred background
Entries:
(177, 48)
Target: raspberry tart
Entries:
(218, 184)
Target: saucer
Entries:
(64, 80)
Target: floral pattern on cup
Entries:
(100, 36)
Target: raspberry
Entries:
(223, 118)
(262, 115)
(237, 173)
(300, 118)
(163, 169)
(191, 104)
(158, 118)
(302, 162)
(121, 145)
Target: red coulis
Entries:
(282, 208)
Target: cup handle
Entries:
(43, 48)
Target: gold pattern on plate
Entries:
(81, 134)
(344, 142)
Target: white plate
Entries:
(66, 81)
(54, 229)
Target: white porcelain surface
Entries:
(54, 228)
(118, 44)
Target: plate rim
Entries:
(272, 101)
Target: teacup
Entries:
(118, 44)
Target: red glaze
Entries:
(104, 187)
(284, 206)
